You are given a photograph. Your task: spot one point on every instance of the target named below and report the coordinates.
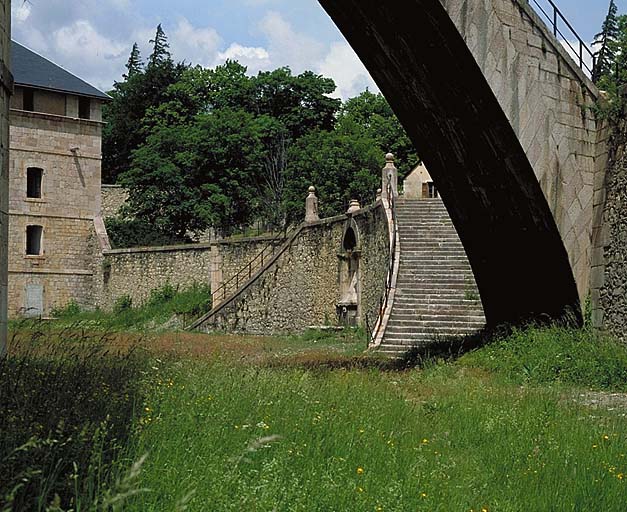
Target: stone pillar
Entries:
(311, 206)
(379, 193)
(6, 89)
(389, 175)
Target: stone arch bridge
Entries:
(504, 119)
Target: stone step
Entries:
(418, 327)
(433, 244)
(442, 303)
(418, 257)
(397, 318)
(434, 286)
(464, 308)
(417, 272)
(416, 294)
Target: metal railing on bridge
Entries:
(559, 25)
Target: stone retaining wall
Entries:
(113, 198)
(610, 277)
(302, 287)
(137, 272)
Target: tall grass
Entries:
(451, 437)
(67, 409)
(556, 354)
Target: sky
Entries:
(93, 38)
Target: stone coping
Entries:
(190, 247)
(106, 185)
(559, 48)
(56, 117)
(344, 216)
(230, 241)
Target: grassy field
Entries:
(536, 421)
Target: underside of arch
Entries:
(427, 73)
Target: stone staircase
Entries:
(436, 294)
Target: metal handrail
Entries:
(247, 271)
(554, 19)
(389, 280)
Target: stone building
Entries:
(56, 233)
(419, 184)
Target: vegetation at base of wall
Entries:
(241, 435)
(167, 307)
(556, 355)
(68, 404)
(124, 233)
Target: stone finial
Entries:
(311, 206)
(389, 175)
(379, 192)
(353, 206)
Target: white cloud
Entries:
(198, 45)
(254, 58)
(20, 11)
(288, 47)
(350, 75)
(93, 57)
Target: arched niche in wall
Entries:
(349, 304)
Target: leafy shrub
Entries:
(122, 303)
(162, 295)
(124, 233)
(70, 309)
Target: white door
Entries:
(34, 304)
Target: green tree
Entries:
(134, 64)
(370, 114)
(142, 90)
(606, 42)
(341, 167)
(187, 178)
(160, 48)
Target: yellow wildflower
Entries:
(425, 441)
(360, 471)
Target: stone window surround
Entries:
(42, 250)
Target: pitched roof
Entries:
(32, 70)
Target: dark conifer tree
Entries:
(134, 64)
(606, 40)
(160, 50)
